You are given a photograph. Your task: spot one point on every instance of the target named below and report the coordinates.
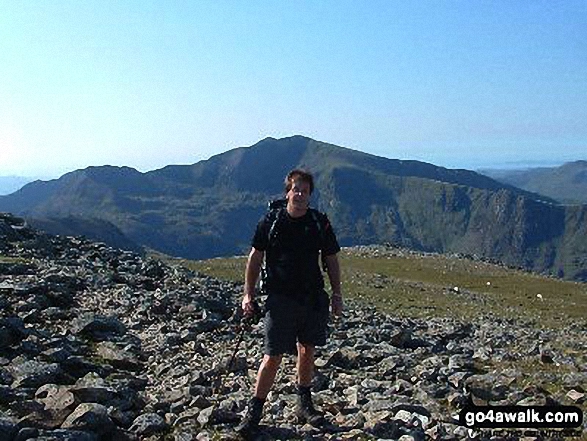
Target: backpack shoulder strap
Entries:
(318, 219)
(274, 216)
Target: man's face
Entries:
(299, 194)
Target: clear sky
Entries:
(150, 83)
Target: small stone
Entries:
(187, 416)
(546, 355)
(205, 416)
(576, 396)
(148, 424)
(7, 395)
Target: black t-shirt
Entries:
(293, 256)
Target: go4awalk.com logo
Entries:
(521, 417)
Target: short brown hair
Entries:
(298, 174)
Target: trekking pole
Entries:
(244, 324)
(241, 335)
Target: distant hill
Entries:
(210, 208)
(9, 184)
(566, 184)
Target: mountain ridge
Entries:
(210, 208)
(566, 184)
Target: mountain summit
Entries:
(211, 208)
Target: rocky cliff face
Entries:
(99, 344)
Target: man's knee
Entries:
(271, 362)
(306, 350)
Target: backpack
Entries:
(276, 213)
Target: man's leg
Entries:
(265, 379)
(266, 375)
(305, 409)
(305, 364)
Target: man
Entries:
(291, 240)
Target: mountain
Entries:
(566, 184)
(210, 208)
(9, 184)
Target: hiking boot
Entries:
(249, 425)
(305, 411)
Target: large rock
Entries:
(93, 389)
(345, 358)
(55, 397)
(12, 331)
(32, 373)
(488, 387)
(90, 417)
(98, 327)
(117, 357)
(77, 366)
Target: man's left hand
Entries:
(336, 304)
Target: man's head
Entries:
(299, 185)
(300, 176)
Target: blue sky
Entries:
(146, 84)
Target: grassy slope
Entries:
(420, 285)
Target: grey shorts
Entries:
(289, 321)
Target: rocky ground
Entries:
(102, 344)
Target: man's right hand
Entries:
(254, 263)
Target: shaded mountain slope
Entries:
(91, 228)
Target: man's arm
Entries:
(254, 263)
(334, 276)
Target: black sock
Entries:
(304, 390)
(257, 402)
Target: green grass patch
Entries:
(418, 285)
(229, 268)
(430, 285)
